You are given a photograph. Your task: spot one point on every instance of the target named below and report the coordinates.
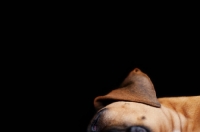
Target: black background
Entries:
(90, 53)
(92, 56)
(96, 73)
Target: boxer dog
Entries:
(134, 107)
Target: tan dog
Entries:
(134, 107)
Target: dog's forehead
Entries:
(122, 114)
(128, 106)
(126, 111)
(125, 114)
(130, 111)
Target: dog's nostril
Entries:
(137, 129)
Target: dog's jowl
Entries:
(134, 107)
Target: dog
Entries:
(134, 107)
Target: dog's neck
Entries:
(173, 121)
(178, 115)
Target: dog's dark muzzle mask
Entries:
(97, 125)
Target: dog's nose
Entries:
(137, 129)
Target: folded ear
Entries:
(137, 87)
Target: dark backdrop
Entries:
(64, 83)
(88, 55)
(96, 74)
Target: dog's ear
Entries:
(137, 87)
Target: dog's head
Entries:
(130, 108)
